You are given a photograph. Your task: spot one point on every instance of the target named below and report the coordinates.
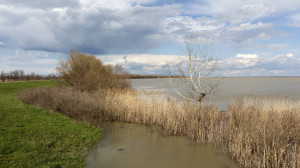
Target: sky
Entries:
(249, 37)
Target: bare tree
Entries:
(195, 72)
(122, 77)
(2, 76)
(21, 74)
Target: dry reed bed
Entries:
(256, 132)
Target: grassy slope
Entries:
(33, 137)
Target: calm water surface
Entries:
(137, 146)
(232, 88)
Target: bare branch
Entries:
(199, 66)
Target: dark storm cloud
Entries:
(95, 30)
(42, 4)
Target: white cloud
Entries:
(240, 22)
(290, 55)
(140, 58)
(249, 56)
(252, 65)
(143, 63)
(248, 26)
(246, 33)
(294, 20)
(29, 61)
(180, 23)
(209, 29)
(237, 11)
(115, 4)
(240, 65)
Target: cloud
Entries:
(294, 20)
(290, 55)
(45, 4)
(240, 65)
(135, 26)
(143, 63)
(246, 33)
(240, 22)
(237, 12)
(132, 26)
(30, 61)
(93, 26)
(209, 29)
(252, 65)
(273, 46)
(249, 56)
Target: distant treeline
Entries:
(19, 75)
(151, 76)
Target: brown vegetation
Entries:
(86, 73)
(256, 132)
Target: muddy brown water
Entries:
(137, 146)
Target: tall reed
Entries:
(256, 132)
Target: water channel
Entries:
(138, 146)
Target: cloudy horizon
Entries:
(253, 38)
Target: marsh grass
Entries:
(257, 132)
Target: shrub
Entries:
(86, 73)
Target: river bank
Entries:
(34, 137)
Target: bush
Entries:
(86, 73)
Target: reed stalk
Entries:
(257, 132)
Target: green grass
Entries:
(34, 137)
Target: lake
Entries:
(231, 88)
